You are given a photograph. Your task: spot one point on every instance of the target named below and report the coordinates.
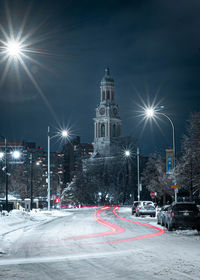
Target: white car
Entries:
(146, 209)
(137, 204)
(143, 203)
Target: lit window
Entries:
(102, 130)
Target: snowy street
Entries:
(96, 243)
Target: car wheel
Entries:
(158, 222)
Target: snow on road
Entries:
(79, 247)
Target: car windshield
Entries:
(149, 207)
(182, 207)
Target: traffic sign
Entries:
(152, 194)
(175, 186)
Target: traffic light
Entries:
(57, 200)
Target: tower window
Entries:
(119, 130)
(112, 95)
(107, 94)
(103, 95)
(103, 130)
(114, 131)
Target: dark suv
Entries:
(183, 215)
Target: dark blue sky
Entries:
(151, 47)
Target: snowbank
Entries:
(17, 219)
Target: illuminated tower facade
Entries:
(107, 123)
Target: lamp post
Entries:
(15, 154)
(48, 171)
(128, 154)
(64, 134)
(6, 172)
(150, 113)
(31, 179)
(138, 172)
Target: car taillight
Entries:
(172, 214)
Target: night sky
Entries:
(151, 47)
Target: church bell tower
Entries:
(107, 123)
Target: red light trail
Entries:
(113, 230)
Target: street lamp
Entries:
(127, 154)
(151, 113)
(16, 155)
(65, 134)
(6, 172)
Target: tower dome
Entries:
(107, 78)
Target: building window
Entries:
(112, 95)
(119, 130)
(103, 130)
(107, 94)
(103, 95)
(114, 131)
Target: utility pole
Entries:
(49, 171)
(138, 172)
(31, 179)
(6, 169)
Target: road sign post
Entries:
(176, 188)
(152, 194)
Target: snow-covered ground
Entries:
(17, 220)
(84, 246)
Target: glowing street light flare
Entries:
(16, 154)
(1, 155)
(65, 133)
(18, 47)
(150, 112)
(127, 153)
(13, 49)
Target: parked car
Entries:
(184, 215)
(147, 209)
(141, 203)
(134, 206)
(161, 215)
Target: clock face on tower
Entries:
(102, 111)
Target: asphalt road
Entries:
(104, 243)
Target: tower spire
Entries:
(107, 71)
(107, 124)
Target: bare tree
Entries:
(188, 169)
(154, 177)
(104, 181)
